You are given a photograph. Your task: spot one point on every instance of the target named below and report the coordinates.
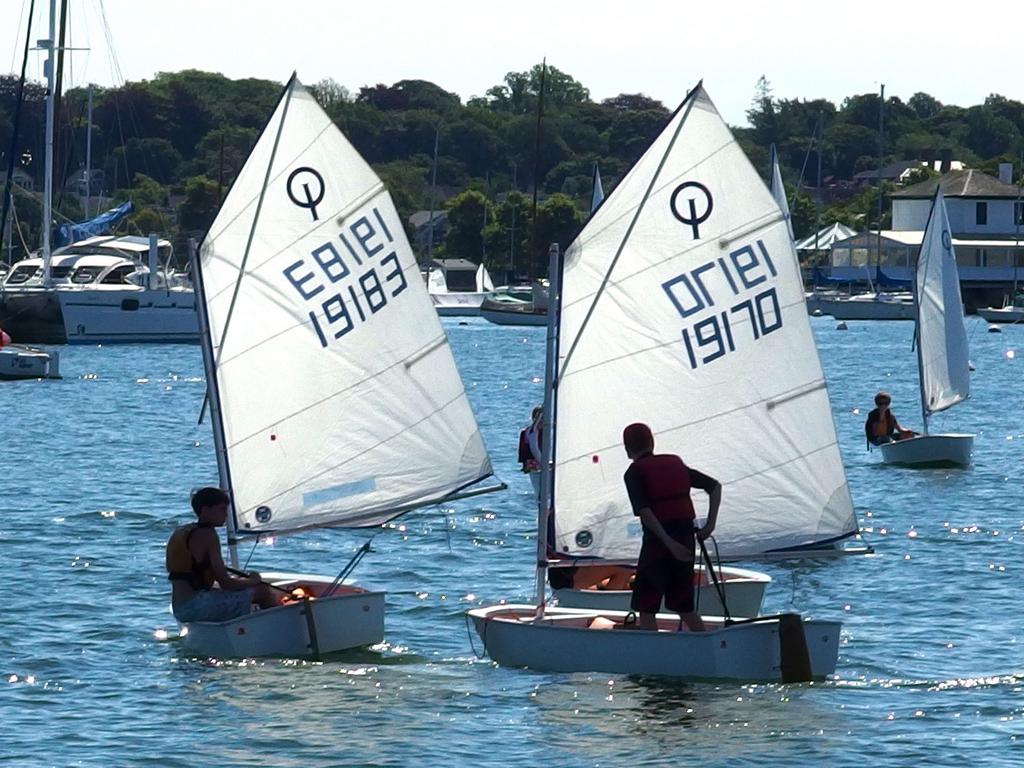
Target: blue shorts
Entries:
(216, 605)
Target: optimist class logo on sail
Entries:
(350, 277)
(706, 296)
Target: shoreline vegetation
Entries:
(173, 145)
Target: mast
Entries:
(881, 158)
(512, 236)
(49, 46)
(433, 189)
(213, 395)
(544, 502)
(917, 317)
(88, 156)
(536, 173)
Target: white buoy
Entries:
(994, 329)
(841, 326)
(816, 313)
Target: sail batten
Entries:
(682, 307)
(340, 400)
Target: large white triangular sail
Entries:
(941, 335)
(779, 190)
(339, 396)
(683, 307)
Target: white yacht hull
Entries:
(564, 641)
(864, 309)
(458, 304)
(128, 316)
(349, 618)
(21, 362)
(930, 450)
(744, 593)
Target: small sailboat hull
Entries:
(350, 618)
(569, 640)
(744, 592)
(1002, 315)
(893, 307)
(952, 450)
(22, 362)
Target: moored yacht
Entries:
(101, 290)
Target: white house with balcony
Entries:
(986, 215)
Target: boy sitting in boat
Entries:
(882, 426)
(659, 491)
(194, 565)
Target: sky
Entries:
(806, 50)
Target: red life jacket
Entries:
(668, 486)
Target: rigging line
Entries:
(255, 222)
(17, 31)
(8, 202)
(252, 551)
(625, 239)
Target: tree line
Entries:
(173, 145)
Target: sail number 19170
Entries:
(747, 273)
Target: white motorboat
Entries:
(450, 303)
(942, 353)
(868, 306)
(102, 290)
(681, 306)
(744, 591)
(334, 396)
(766, 649)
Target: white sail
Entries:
(484, 284)
(942, 338)
(598, 194)
(437, 283)
(340, 400)
(779, 190)
(683, 307)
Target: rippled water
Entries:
(97, 469)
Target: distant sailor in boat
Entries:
(882, 426)
(659, 491)
(194, 565)
(530, 441)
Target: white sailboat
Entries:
(942, 353)
(334, 396)
(682, 307)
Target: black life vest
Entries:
(182, 565)
(668, 486)
(873, 416)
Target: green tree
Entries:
(507, 234)
(199, 208)
(467, 214)
(558, 221)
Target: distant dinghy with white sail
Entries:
(682, 307)
(942, 352)
(334, 397)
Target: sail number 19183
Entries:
(351, 278)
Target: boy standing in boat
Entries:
(659, 491)
(194, 565)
